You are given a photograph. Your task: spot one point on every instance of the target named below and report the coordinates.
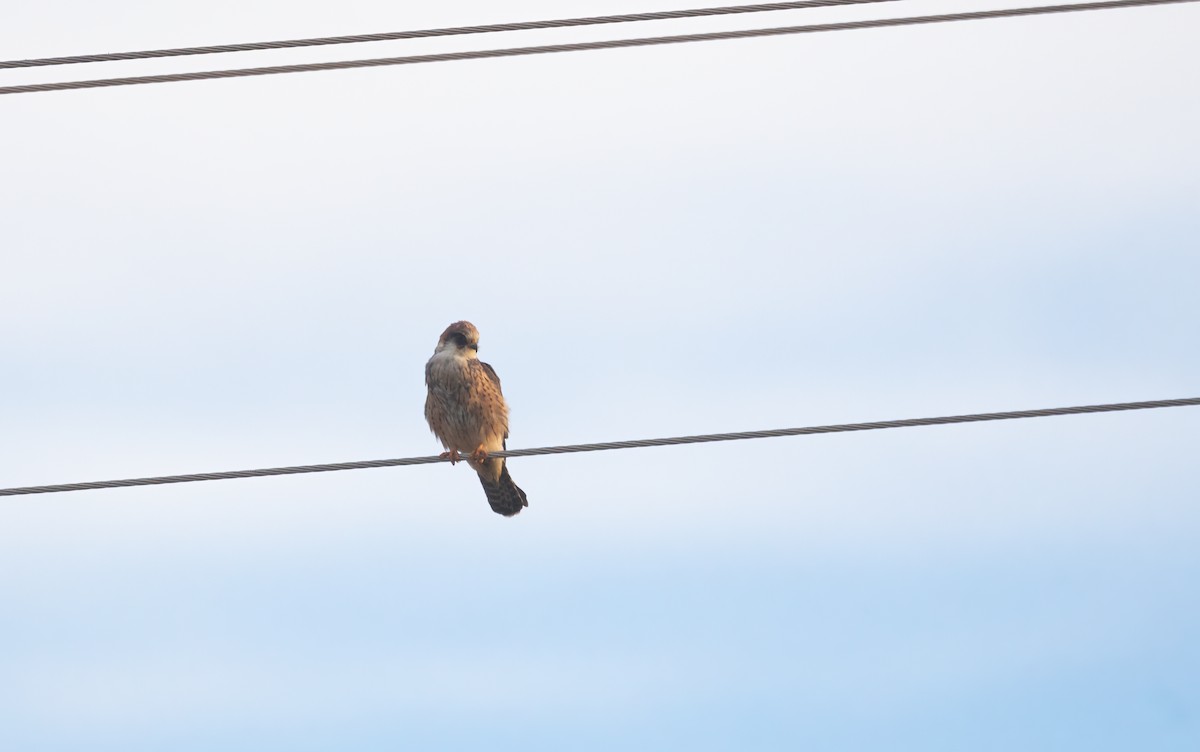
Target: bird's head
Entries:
(461, 337)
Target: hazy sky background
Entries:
(698, 238)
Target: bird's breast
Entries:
(448, 372)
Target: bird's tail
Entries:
(505, 496)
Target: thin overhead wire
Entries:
(602, 446)
(583, 46)
(427, 33)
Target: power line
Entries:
(582, 46)
(427, 33)
(636, 444)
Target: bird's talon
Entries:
(452, 456)
(480, 454)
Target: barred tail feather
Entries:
(505, 496)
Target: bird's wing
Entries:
(491, 373)
(492, 377)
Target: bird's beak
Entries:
(474, 347)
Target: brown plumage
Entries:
(466, 410)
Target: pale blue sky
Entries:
(757, 234)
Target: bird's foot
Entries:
(480, 454)
(452, 456)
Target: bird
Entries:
(466, 411)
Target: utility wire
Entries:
(636, 444)
(426, 33)
(582, 46)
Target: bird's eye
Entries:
(460, 340)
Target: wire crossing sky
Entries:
(634, 444)
(582, 46)
(427, 33)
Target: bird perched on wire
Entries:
(467, 412)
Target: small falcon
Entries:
(466, 411)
